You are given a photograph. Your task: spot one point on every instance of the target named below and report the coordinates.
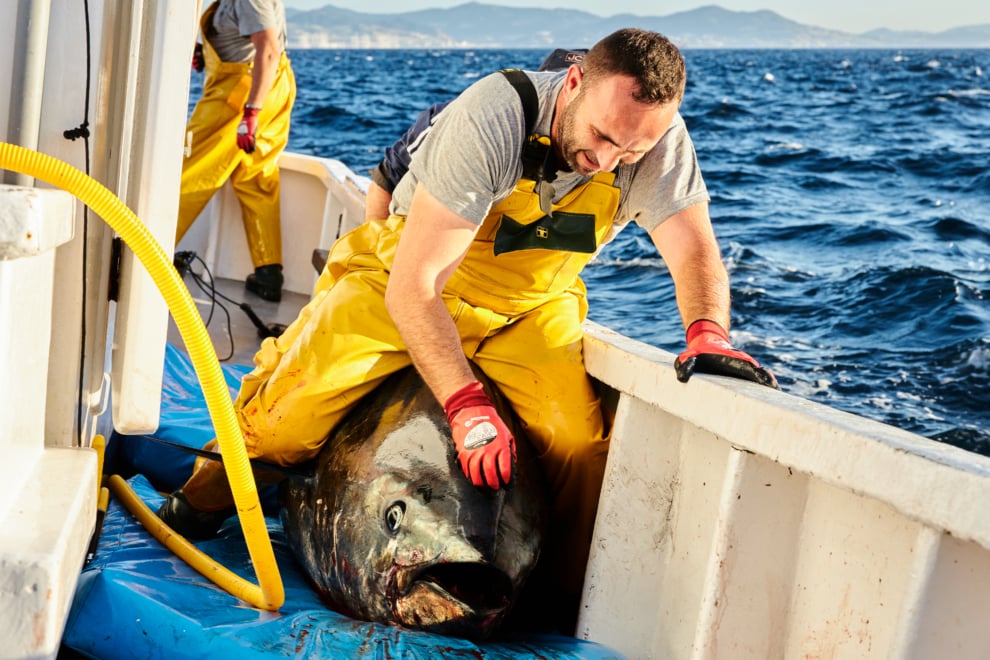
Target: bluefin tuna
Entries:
(389, 529)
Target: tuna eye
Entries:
(393, 517)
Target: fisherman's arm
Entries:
(687, 243)
(433, 243)
(267, 52)
(376, 202)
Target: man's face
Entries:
(602, 125)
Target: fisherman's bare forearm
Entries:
(267, 52)
(433, 243)
(376, 203)
(432, 340)
(689, 248)
(704, 297)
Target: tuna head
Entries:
(390, 530)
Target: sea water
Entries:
(850, 195)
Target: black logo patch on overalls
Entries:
(565, 232)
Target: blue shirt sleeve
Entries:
(397, 157)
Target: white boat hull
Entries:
(742, 522)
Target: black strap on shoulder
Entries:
(537, 155)
(527, 94)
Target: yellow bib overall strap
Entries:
(538, 157)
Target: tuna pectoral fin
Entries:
(477, 533)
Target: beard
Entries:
(568, 149)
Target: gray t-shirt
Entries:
(470, 159)
(236, 20)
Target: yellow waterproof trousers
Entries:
(344, 343)
(212, 154)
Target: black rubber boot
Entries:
(266, 282)
(180, 515)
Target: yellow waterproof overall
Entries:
(213, 155)
(518, 307)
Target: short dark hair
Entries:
(647, 56)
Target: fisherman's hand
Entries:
(709, 351)
(198, 63)
(247, 128)
(486, 449)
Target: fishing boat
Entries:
(735, 521)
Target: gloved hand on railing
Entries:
(486, 449)
(709, 351)
(247, 128)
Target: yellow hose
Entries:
(99, 445)
(269, 594)
(221, 576)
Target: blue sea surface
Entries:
(850, 194)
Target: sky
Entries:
(854, 16)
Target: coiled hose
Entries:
(269, 594)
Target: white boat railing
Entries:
(741, 522)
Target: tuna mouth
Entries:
(462, 599)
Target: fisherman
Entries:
(395, 163)
(520, 181)
(240, 126)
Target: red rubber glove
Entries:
(709, 351)
(247, 128)
(198, 63)
(486, 449)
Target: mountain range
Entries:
(478, 25)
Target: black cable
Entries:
(211, 291)
(183, 262)
(216, 291)
(226, 313)
(264, 329)
(82, 131)
(187, 258)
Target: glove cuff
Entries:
(705, 326)
(472, 394)
(251, 110)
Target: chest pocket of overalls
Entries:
(521, 254)
(568, 232)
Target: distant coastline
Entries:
(479, 25)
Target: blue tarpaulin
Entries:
(136, 599)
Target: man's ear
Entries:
(572, 82)
(575, 74)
